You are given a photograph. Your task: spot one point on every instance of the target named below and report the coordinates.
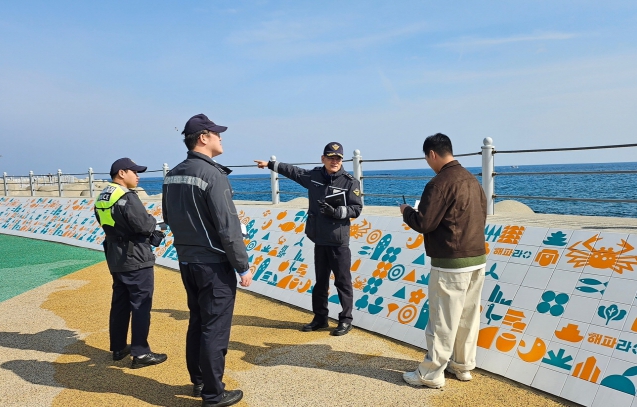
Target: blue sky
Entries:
(84, 83)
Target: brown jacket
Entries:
(452, 214)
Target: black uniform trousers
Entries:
(337, 259)
(131, 302)
(211, 290)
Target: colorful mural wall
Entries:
(558, 306)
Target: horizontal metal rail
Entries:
(392, 177)
(568, 172)
(393, 196)
(540, 150)
(293, 193)
(252, 192)
(414, 158)
(552, 198)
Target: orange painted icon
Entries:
(281, 215)
(587, 370)
(505, 342)
(357, 230)
(411, 276)
(374, 236)
(634, 326)
(569, 333)
(486, 336)
(391, 308)
(417, 242)
(287, 226)
(546, 257)
(602, 258)
(356, 264)
(511, 234)
(538, 349)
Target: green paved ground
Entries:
(28, 263)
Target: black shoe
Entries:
(342, 329)
(148, 359)
(314, 325)
(121, 354)
(229, 398)
(196, 390)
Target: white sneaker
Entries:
(462, 375)
(415, 379)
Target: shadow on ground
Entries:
(95, 372)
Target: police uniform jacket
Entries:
(319, 228)
(126, 244)
(197, 205)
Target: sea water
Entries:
(256, 187)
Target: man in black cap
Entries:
(328, 227)
(197, 205)
(129, 229)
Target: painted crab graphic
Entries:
(602, 258)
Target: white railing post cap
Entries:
(487, 141)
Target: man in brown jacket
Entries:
(452, 216)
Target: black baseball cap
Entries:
(332, 149)
(201, 122)
(126, 164)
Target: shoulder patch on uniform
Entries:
(357, 192)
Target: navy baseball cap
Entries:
(126, 164)
(332, 149)
(201, 122)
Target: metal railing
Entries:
(61, 182)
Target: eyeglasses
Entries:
(334, 158)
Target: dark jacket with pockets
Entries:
(197, 205)
(126, 244)
(451, 215)
(319, 228)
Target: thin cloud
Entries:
(301, 39)
(487, 42)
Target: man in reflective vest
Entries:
(129, 229)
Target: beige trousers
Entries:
(454, 322)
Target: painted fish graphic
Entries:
(590, 282)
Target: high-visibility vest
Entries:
(105, 202)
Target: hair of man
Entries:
(439, 143)
(190, 140)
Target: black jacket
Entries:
(321, 229)
(197, 205)
(126, 245)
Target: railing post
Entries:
(60, 182)
(165, 169)
(274, 184)
(31, 183)
(90, 182)
(488, 168)
(6, 187)
(357, 162)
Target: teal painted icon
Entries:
(396, 272)
(546, 305)
(621, 382)
(556, 239)
(590, 284)
(611, 313)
